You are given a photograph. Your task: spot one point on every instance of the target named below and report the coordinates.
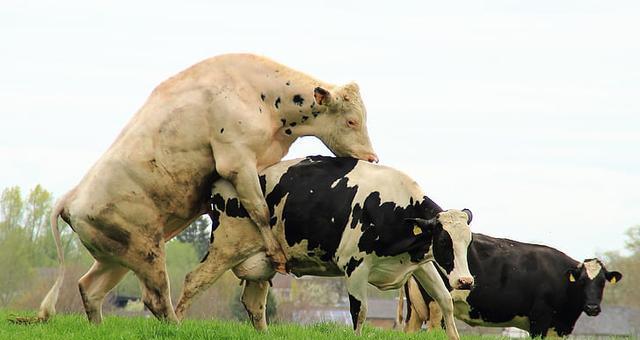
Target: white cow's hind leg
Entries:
(254, 299)
(95, 284)
(427, 275)
(154, 281)
(244, 177)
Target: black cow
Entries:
(528, 286)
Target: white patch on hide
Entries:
(592, 267)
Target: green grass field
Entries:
(114, 327)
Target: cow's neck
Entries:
(573, 308)
(296, 112)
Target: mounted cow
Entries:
(532, 287)
(227, 117)
(337, 217)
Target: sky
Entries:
(527, 113)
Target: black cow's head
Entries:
(450, 236)
(588, 279)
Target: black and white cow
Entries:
(528, 286)
(337, 217)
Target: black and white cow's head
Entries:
(588, 280)
(450, 236)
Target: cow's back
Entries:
(162, 161)
(341, 205)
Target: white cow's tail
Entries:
(398, 323)
(48, 305)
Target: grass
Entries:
(75, 326)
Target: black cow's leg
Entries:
(357, 288)
(540, 319)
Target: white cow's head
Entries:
(343, 123)
(451, 236)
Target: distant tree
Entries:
(625, 293)
(37, 210)
(11, 209)
(198, 233)
(181, 259)
(633, 239)
(15, 266)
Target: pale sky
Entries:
(528, 113)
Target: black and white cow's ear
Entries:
(419, 224)
(322, 96)
(613, 276)
(573, 274)
(469, 215)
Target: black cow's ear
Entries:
(322, 96)
(469, 215)
(613, 276)
(573, 274)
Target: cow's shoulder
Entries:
(314, 201)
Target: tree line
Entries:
(28, 262)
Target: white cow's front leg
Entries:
(244, 177)
(357, 281)
(427, 275)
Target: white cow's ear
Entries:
(469, 215)
(322, 96)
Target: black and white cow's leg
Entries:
(254, 299)
(540, 318)
(95, 284)
(202, 277)
(244, 177)
(357, 282)
(427, 275)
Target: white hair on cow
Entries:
(592, 267)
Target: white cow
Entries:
(229, 116)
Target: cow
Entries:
(336, 217)
(532, 287)
(227, 117)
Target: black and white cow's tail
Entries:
(48, 305)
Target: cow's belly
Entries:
(391, 274)
(258, 267)
(462, 311)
